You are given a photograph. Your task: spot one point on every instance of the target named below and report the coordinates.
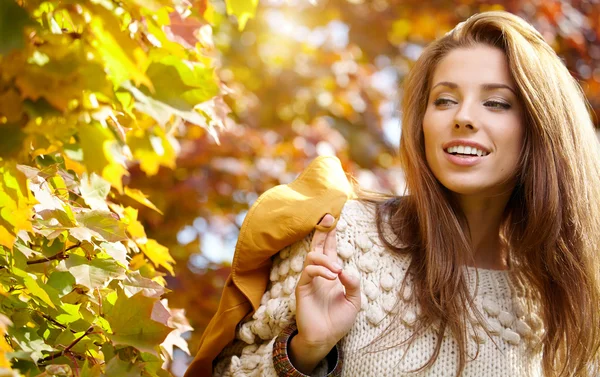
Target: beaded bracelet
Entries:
(283, 365)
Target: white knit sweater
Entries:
(508, 306)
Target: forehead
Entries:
(477, 64)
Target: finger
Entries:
(352, 285)
(312, 271)
(318, 240)
(330, 247)
(322, 260)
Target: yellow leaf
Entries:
(134, 227)
(37, 291)
(242, 9)
(16, 203)
(159, 255)
(4, 346)
(137, 261)
(139, 197)
(152, 148)
(6, 238)
(101, 153)
(123, 56)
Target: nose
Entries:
(463, 119)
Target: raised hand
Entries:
(327, 302)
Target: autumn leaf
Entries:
(159, 255)
(5, 322)
(242, 9)
(103, 225)
(135, 283)
(182, 84)
(139, 197)
(95, 273)
(94, 191)
(152, 149)
(131, 323)
(15, 203)
(124, 58)
(117, 367)
(100, 153)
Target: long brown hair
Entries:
(551, 223)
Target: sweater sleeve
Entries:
(264, 337)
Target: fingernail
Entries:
(337, 266)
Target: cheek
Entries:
(512, 141)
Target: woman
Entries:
(488, 267)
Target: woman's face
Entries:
(473, 126)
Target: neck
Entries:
(484, 216)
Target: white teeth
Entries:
(467, 150)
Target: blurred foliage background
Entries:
(307, 78)
(293, 79)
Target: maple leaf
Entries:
(103, 225)
(159, 255)
(95, 273)
(132, 324)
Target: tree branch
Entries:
(60, 255)
(54, 355)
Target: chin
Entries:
(470, 187)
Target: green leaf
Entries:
(87, 371)
(62, 282)
(13, 20)
(70, 315)
(118, 367)
(181, 84)
(95, 273)
(31, 343)
(37, 291)
(103, 225)
(132, 324)
(162, 113)
(242, 9)
(27, 252)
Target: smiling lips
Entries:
(465, 152)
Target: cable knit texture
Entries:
(508, 306)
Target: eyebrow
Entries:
(486, 87)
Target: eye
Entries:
(497, 105)
(443, 102)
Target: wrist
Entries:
(305, 355)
